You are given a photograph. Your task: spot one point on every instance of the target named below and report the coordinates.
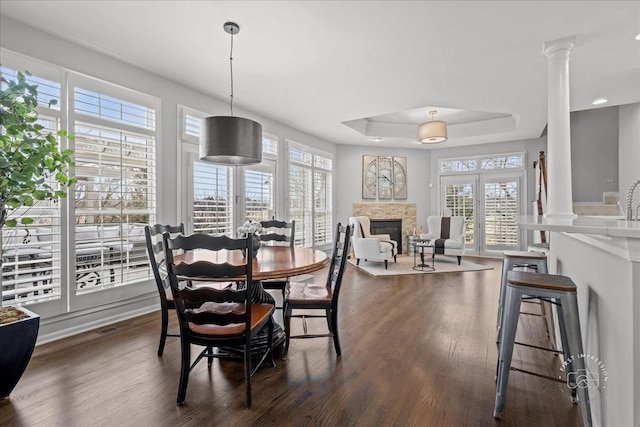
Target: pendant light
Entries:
(433, 131)
(231, 140)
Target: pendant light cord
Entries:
(231, 67)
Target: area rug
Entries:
(443, 264)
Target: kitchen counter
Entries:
(602, 256)
(606, 226)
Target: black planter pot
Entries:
(17, 341)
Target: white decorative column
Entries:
(559, 193)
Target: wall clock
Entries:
(369, 177)
(384, 177)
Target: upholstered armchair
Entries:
(447, 234)
(371, 247)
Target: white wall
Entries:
(348, 178)
(629, 146)
(594, 153)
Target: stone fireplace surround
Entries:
(404, 211)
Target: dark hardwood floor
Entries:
(416, 351)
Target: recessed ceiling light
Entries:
(600, 101)
(377, 139)
(638, 37)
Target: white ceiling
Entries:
(316, 64)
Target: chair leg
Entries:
(386, 264)
(329, 325)
(247, 371)
(574, 339)
(459, 260)
(507, 339)
(270, 338)
(287, 328)
(209, 358)
(334, 331)
(184, 370)
(357, 261)
(395, 258)
(163, 332)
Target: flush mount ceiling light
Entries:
(433, 131)
(231, 140)
(638, 37)
(600, 101)
(377, 139)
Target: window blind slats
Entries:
(114, 199)
(501, 208)
(212, 199)
(459, 198)
(258, 198)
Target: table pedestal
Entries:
(260, 343)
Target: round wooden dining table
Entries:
(270, 262)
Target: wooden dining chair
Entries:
(277, 233)
(155, 252)
(306, 296)
(215, 317)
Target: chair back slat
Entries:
(278, 231)
(205, 269)
(273, 237)
(194, 295)
(206, 241)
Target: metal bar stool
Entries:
(562, 291)
(519, 259)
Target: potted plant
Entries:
(32, 168)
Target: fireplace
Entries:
(404, 211)
(392, 227)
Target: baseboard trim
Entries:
(50, 332)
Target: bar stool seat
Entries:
(562, 291)
(519, 259)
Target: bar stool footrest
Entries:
(538, 347)
(536, 374)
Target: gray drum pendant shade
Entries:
(231, 141)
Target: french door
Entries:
(490, 203)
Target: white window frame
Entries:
(313, 168)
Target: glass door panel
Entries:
(501, 204)
(458, 198)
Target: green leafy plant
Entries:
(31, 162)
